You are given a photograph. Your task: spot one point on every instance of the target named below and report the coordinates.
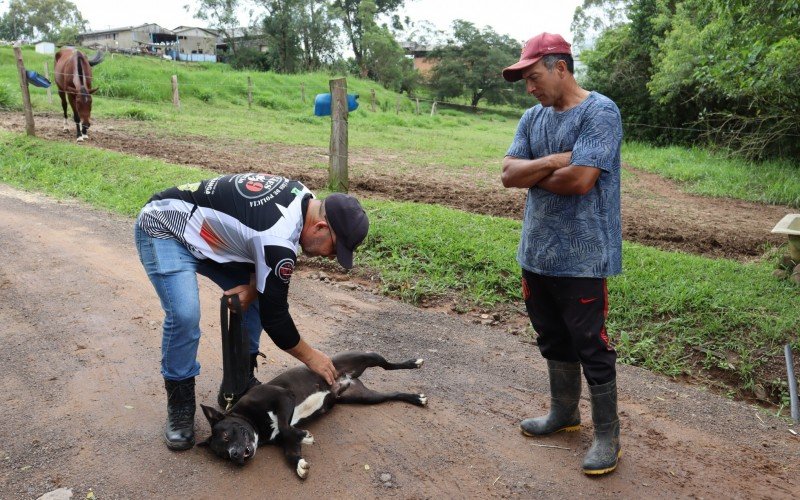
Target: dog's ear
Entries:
(212, 415)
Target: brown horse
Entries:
(74, 79)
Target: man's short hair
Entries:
(550, 61)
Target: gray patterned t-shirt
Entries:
(573, 235)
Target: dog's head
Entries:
(231, 436)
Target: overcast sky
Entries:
(517, 18)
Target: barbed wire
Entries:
(698, 129)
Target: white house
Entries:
(46, 48)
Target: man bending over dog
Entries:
(242, 231)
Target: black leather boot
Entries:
(565, 391)
(179, 430)
(252, 382)
(605, 451)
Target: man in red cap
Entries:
(566, 153)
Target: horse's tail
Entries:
(97, 58)
(83, 87)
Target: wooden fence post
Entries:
(47, 75)
(433, 108)
(303, 93)
(337, 171)
(176, 98)
(397, 105)
(372, 99)
(26, 96)
(417, 105)
(249, 92)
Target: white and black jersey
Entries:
(244, 218)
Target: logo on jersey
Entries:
(189, 187)
(284, 270)
(253, 186)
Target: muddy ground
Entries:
(85, 403)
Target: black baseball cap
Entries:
(349, 223)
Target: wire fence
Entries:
(253, 92)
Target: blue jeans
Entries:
(173, 271)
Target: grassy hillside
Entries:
(214, 104)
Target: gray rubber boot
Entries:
(179, 429)
(565, 391)
(604, 454)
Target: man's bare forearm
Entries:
(570, 181)
(522, 173)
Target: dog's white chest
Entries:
(309, 406)
(305, 409)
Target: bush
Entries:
(135, 113)
(7, 100)
(249, 58)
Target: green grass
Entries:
(214, 104)
(665, 309)
(713, 174)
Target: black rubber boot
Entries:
(179, 430)
(565, 391)
(222, 402)
(605, 451)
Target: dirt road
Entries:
(84, 403)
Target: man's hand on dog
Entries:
(316, 361)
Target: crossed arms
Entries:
(552, 173)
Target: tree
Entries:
(282, 31)
(593, 17)
(472, 62)
(725, 72)
(220, 15)
(356, 16)
(743, 74)
(385, 60)
(319, 34)
(45, 19)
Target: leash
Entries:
(235, 350)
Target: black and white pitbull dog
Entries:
(268, 413)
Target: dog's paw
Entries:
(309, 439)
(302, 468)
(423, 400)
(419, 362)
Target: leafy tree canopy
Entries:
(41, 19)
(471, 64)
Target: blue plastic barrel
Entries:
(322, 104)
(37, 79)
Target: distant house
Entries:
(422, 63)
(241, 38)
(45, 48)
(185, 43)
(196, 44)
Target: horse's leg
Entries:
(63, 97)
(85, 131)
(75, 117)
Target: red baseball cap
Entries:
(533, 50)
